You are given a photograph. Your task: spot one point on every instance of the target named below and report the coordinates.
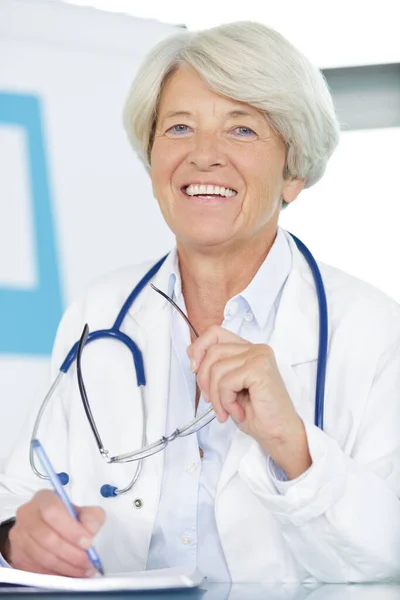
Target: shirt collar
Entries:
(264, 289)
(267, 284)
(174, 279)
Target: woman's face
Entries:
(203, 138)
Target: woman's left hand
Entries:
(242, 380)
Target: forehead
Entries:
(186, 91)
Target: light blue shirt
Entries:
(185, 531)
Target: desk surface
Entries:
(252, 591)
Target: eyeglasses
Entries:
(147, 449)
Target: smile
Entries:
(208, 190)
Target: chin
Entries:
(205, 239)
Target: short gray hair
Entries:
(247, 62)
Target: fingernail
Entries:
(193, 365)
(91, 572)
(93, 525)
(85, 543)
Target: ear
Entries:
(292, 189)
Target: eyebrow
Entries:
(240, 113)
(185, 113)
(178, 113)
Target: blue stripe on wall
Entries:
(29, 318)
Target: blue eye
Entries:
(178, 129)
(245, 131)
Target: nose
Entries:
(206, 152)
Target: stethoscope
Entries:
(115, 333)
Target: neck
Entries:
(210, 279)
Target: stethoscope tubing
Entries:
(323, 333)
(115, 333)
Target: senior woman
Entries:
(232, 123)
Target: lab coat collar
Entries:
(151, 306)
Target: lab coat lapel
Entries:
(295, 336)
(296, 332)
(294, 342)
(152, 316)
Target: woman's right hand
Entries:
(46, 539)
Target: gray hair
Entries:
(250, 63)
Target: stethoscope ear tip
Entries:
(63, 477)
(108, 491)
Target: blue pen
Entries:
(58, 488)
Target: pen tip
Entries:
(101, 571)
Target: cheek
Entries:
(159, 169)
(266, 173)
(263, 174)
(165, 159)
(257, 176)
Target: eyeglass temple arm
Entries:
(82, 388)
(160, 444)
(175, 306)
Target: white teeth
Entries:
(196, 189)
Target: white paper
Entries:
(160, 579)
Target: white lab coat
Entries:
(340, 522)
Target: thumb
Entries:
(92, 518)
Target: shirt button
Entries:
(138, 503)
(192, 468)
(248, 316)
(186, 539)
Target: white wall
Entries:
(332, 33)
(351, 218)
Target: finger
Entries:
(218, 371)
(230, 387)
(48, 541)
(213, 335)
(50, 557)
(20, 560)
(214, 354)
(54, 513)
(27, 554)
(240, 408)
(92, 518)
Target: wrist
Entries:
(289, 450)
